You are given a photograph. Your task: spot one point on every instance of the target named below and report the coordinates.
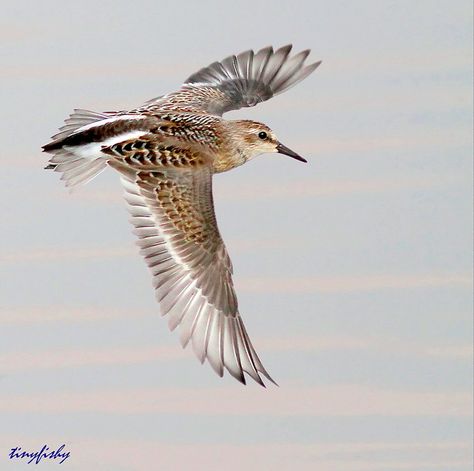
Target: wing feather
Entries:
(192, 272)
(241, 80)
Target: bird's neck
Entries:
(233, 151)
(225, 162)
(230, 157)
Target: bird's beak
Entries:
(281, 149)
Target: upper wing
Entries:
(173, 214)
(240, 81)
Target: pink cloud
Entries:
(327, 400)
(72, 358)
(344, 284)
(77, 253)
(62, 313)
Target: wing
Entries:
(240, 81)
(173, 214)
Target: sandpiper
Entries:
(166, 152)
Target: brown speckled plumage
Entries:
(150, 152)
(166, 152)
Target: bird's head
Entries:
(252, 138)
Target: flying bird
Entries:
(166, 153)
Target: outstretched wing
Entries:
(173, 214)
(240, 81)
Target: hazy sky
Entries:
(353, 271)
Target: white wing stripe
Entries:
(199, 335)
(181, 307)
(188, 323)
(214, 354)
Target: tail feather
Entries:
(77, 151)
(87, 173)
(75, 169)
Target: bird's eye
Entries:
(262, 135)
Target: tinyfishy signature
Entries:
(37, 456)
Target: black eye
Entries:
(262, 135)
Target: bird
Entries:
(166, 153)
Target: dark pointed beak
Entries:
(281, 149)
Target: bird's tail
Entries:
(77, 162)
(76, 171)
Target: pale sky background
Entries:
(353, 271)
